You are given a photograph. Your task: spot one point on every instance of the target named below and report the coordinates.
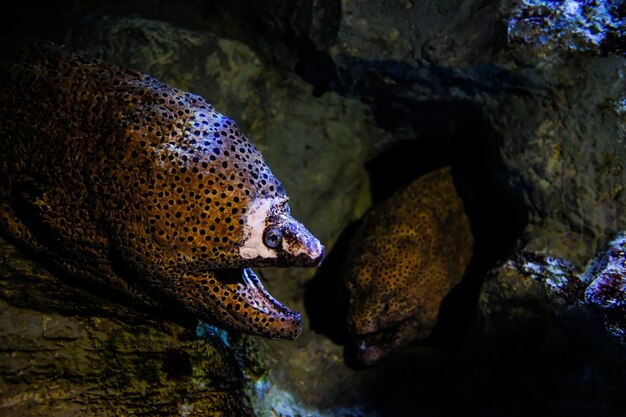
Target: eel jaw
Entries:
(236, 299)
(370, 348)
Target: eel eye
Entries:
(272, 237)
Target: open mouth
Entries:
(236, 299)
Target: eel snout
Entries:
(272, 237)
(299, 246)
(237, 298)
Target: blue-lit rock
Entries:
(559, 277)
(607, 292)
(586, 26)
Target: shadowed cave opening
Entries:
(451, 134)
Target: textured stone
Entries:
(550, 304)
(69, 352)
(563, 148)
(587, 26)
(406, 31)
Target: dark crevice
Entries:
(315, 67)
(177, 364)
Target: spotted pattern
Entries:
(406, 255)
(126, 181)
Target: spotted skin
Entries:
(127, 182)
(406, 255)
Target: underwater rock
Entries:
(409, 251)
(541, 334)
(607, 292)
(527, 287)
(70, 352)
(407, 32)
(534, 287)
(585, 26)
(561, 280)
(134, 185)
(558, 285)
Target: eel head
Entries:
(272, 237)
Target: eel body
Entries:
(408, 252)
(122, 180)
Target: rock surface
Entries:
(68, 352)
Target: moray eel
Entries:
(408, 252)
(122, 180)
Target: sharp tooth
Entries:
(260, 307)
(247, 274)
